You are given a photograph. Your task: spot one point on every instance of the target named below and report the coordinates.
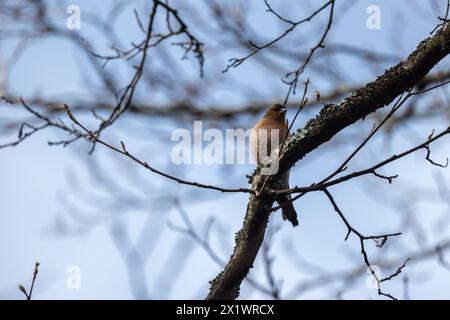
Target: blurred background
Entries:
(103, 227)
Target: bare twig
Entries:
(291, 78)
(123, 151)
(22, 288)
(372, 169)
(362, 239)
(235, 62)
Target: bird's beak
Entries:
(283, 110)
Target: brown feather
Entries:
(274, 119)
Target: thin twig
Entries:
(22, 288)
(123, 151)
(362, 238)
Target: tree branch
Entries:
(123, 151)
(22, 288)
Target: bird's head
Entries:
(276, 112)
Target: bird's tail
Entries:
(288, 210)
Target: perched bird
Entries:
(273, 124)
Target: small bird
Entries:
(262, 146)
